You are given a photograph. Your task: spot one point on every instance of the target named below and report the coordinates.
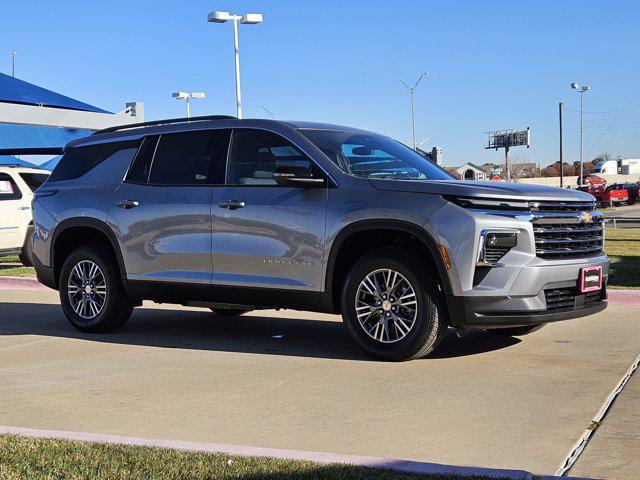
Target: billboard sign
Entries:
(509, 138)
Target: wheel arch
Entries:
(333, 282)
(83, 224)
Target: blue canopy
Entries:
(11, 160)
(30, 139)
(13, 90)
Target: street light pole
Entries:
(273, 115)
(187, 97)
(13, 63)
(248, 19)
(413, 110)
(581, 89)
(237, 55)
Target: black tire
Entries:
(430, 323)
(229, 312)
(516, 331)
(116, 308)
(26, 255)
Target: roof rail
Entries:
(164, 122)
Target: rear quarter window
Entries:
(77, 161)
(34, 180)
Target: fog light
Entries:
(495, 244)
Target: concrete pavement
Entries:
(295, 380)
(614, 449)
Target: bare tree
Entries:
(520, 168)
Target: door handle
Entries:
(127, 204)
(232, 204)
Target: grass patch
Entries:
(623, 247)
(9, 269)
(22, 457)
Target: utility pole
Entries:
(506, 163)
(561, 161)
(13, 63)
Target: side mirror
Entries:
(296, 176)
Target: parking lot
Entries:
(295, 380)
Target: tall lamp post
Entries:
(247, 19)
(582, 89)
(271, 114)
(187, 96)
(413, 110)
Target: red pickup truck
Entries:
(613, 194)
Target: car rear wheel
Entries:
(392, 306)
(516, 331)
(91, 292)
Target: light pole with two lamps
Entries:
(582, 89)
(187, 96)
(247, 19)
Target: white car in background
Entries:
(17, 185)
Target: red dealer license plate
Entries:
(590, 279)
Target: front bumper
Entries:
(479, 312)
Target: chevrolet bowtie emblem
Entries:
(586, 218)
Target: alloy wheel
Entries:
(87, 289)
(386, 305)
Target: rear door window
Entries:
(189, 158)
(8, 188)
(77, 161)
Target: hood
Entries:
(496, 190)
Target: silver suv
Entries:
(235, 215)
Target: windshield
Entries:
(374, 156)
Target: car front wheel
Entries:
(392, 306)
(91, 291)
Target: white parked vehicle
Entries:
(621, 166)
(17, 185)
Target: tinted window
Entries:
(139, 171)
(188, 158)
(79, 160)
(34, 180)
(255, 155)
(374, 156)
(8, 188)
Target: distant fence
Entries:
(622, 222)
(573, 180)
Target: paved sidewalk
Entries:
(614, 449)
(294, 380)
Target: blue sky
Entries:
(494, 65)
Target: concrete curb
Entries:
(21, 283)
(240, 450)
(616, 297)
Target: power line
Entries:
(608, 111)
(627, 107)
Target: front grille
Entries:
(562, 206)
(567, 229)
(565, 298)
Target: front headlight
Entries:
(495, 244)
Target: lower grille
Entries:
(493, 254)
(565, 298)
